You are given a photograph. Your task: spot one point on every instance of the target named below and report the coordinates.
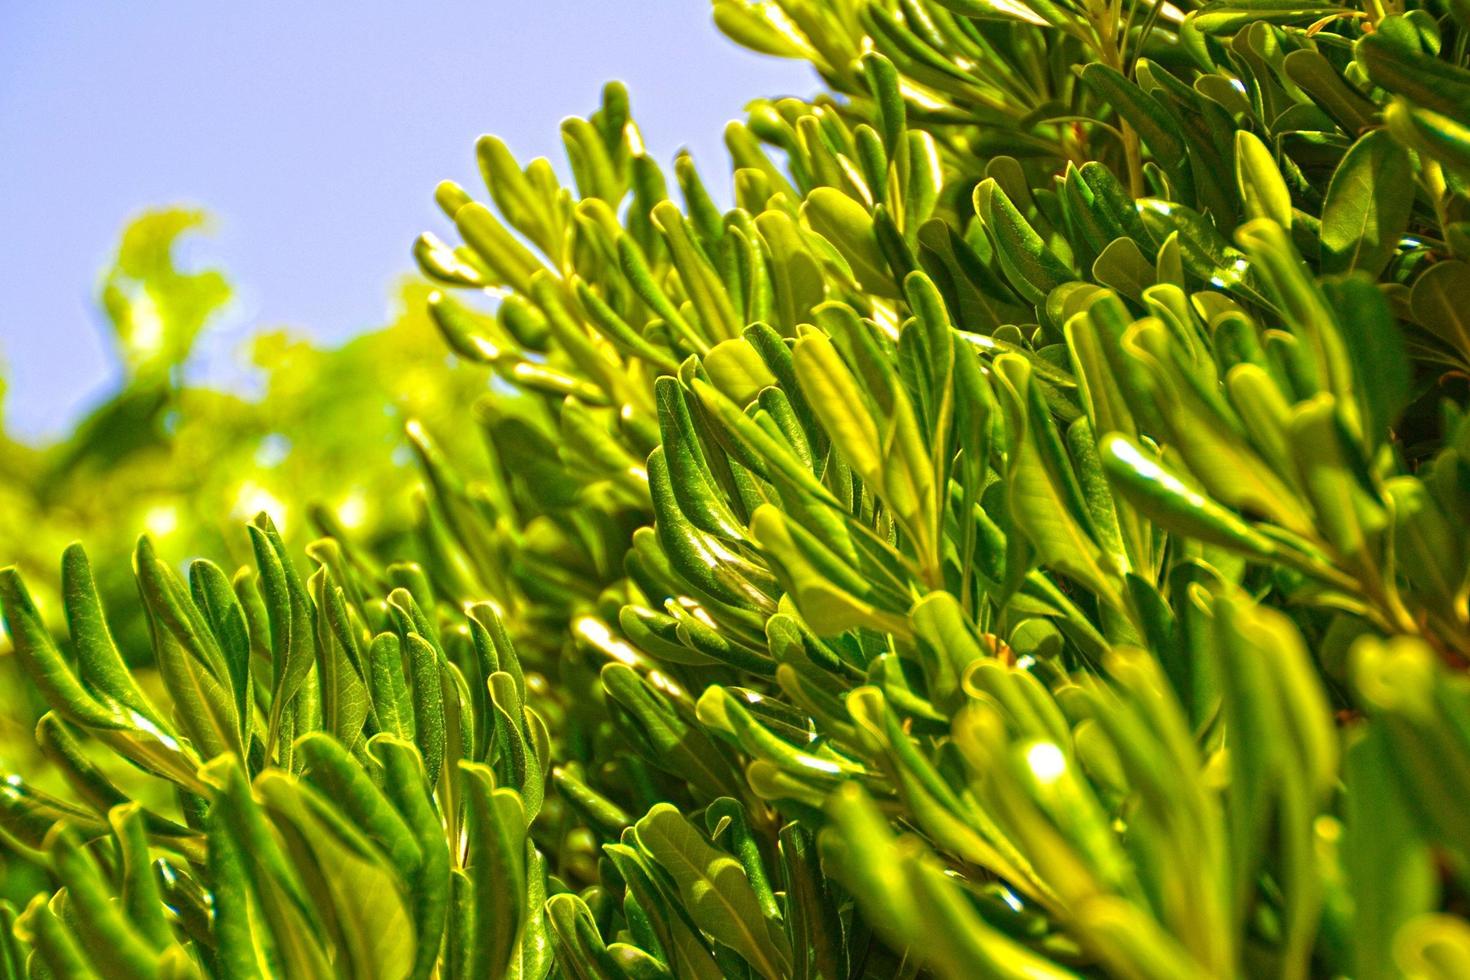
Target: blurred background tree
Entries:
(189, 463)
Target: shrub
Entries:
(1023, 538)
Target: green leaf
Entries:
(407, 785)
(428, 703)
(1374, 343)
(831, 595)
(796, 271)
(56, 948)
(1432, 134)
(1313, 72)
(912, 903)
(333, 771)
(514, 194)
(1145, 114)
(1429, 551)
(579, 946)
(217, 603)
(392, 705)
(237, 948)
(839, 404)
(1403, 687)
(496, 865)
(715, 889)
(737, 370)
(1283, 756)
(140, 895)
(1045, 498)
(345, 700)
(116, 949)
(1030, 266)
(759, 28)
(1438, 303)
(1388, 862)
(193, 667)
(1167, 499)
(291, 919)
(849, 227)
(672, 744)
(668, 921)
(1350, 514)
(1262, 188)
(518, 750)
(510, 261)
(817, 935)
(697, 275)
(1123, 267)
(1368, 205)
(42, 660)
(947, 645)
(292, 644)
(1429, 81)
(356, 891)
(98, 660)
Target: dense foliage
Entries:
(1024, 537)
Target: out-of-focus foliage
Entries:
(1024, 537)
(187, 462)
(156, 309)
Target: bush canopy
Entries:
(1023, 537)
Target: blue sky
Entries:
(314, 132)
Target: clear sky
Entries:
(314, 132)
